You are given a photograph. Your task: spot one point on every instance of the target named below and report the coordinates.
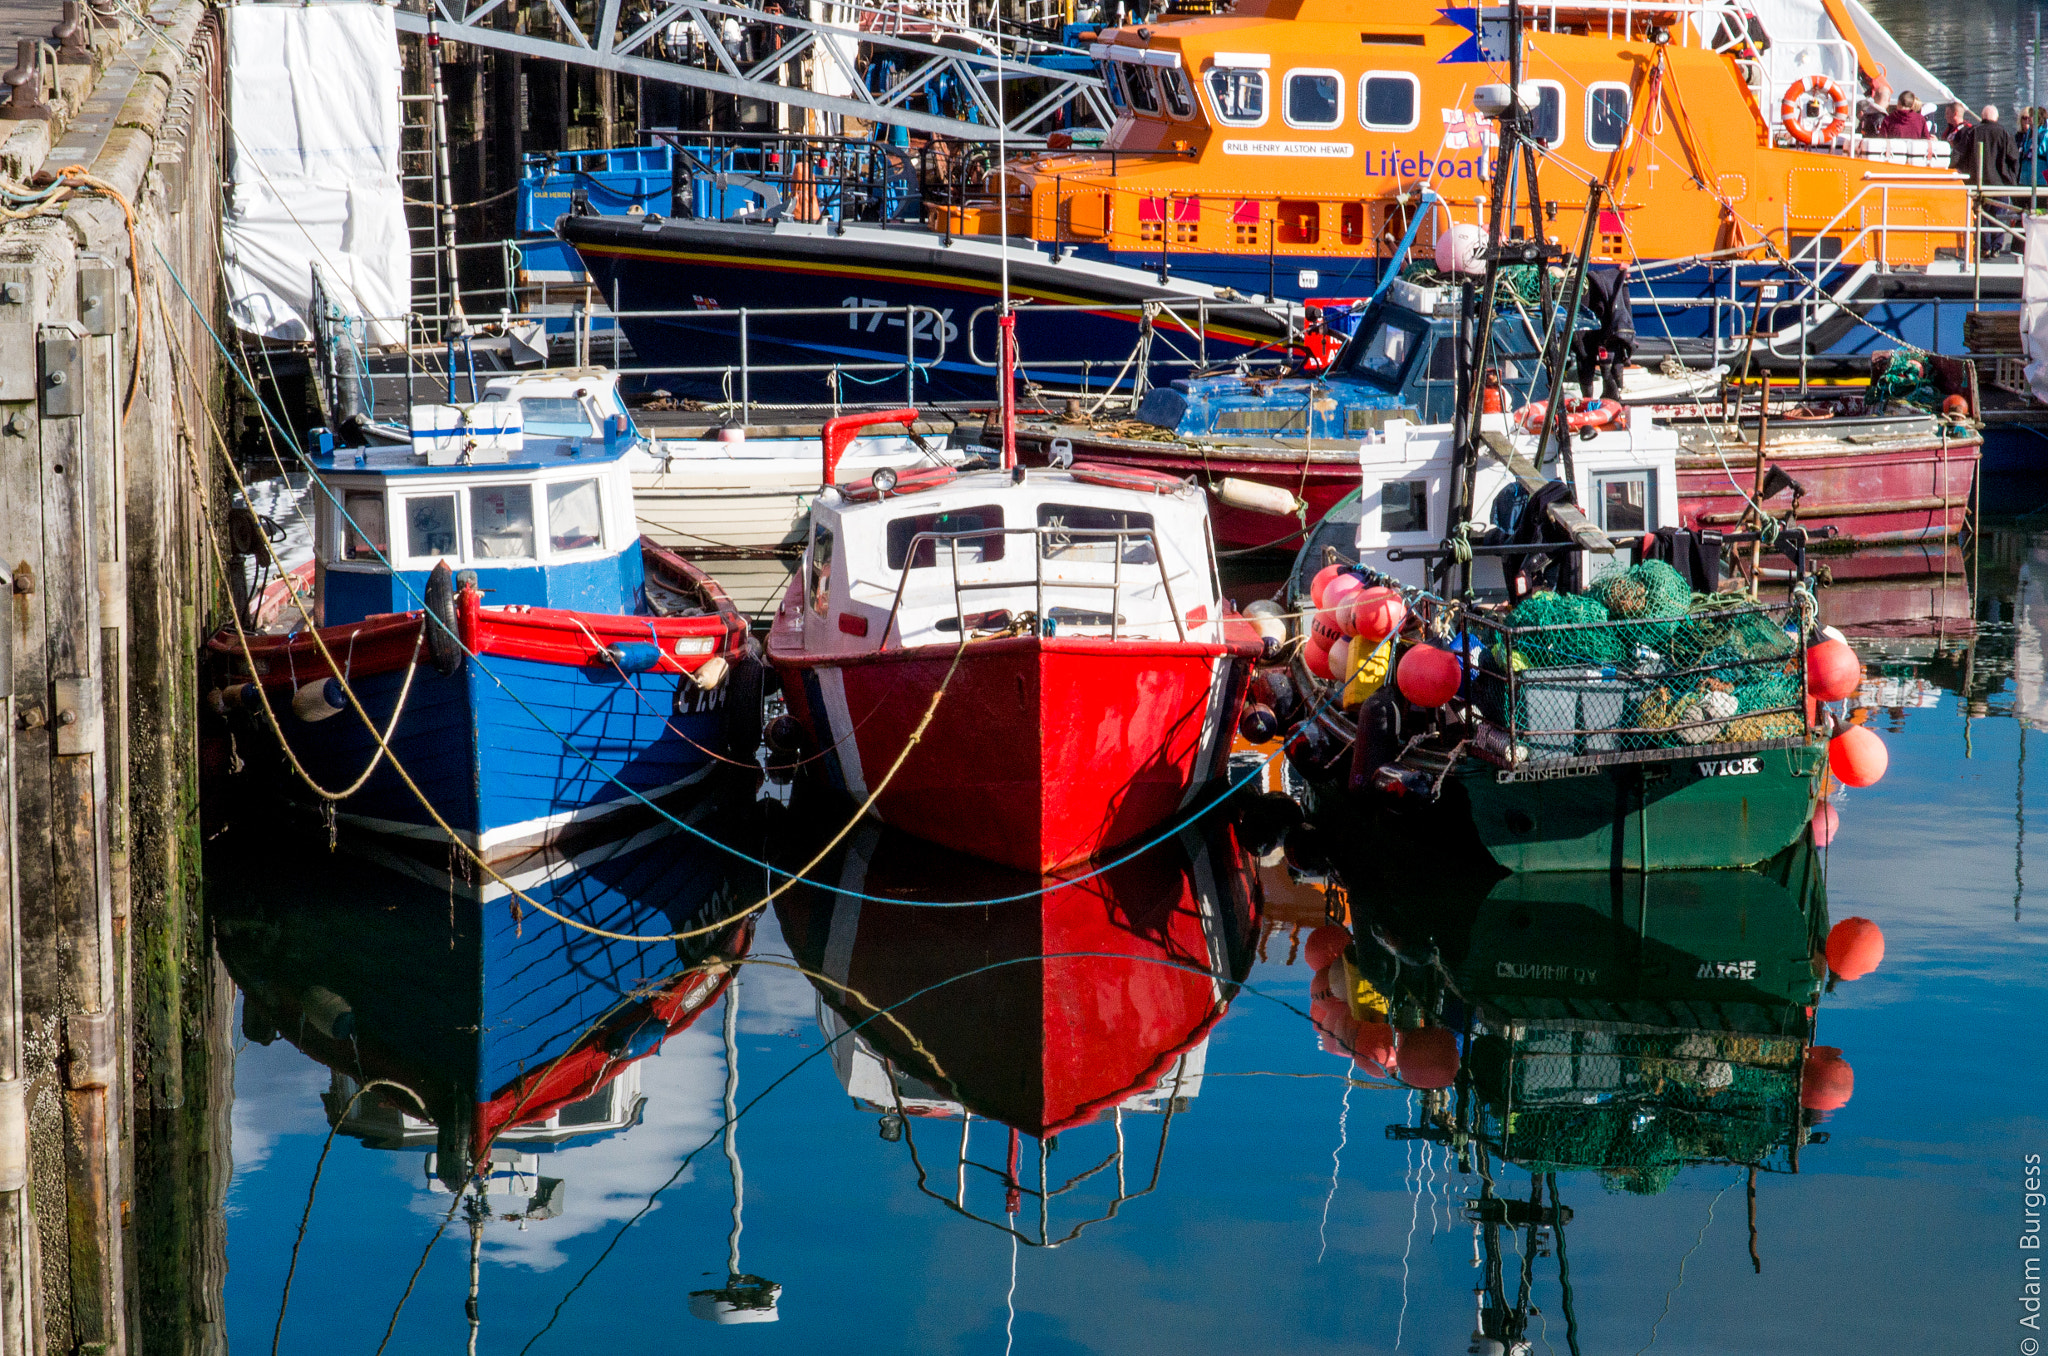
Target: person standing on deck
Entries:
(1906, 122)
(1993, 161)
(1606, 348)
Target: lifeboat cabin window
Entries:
(430, 527)
(363, 535)
(1107, 69)
(1389, 101)
(556, 417)
(1385, 355)
(1138, 87)
(1081, 534)
(1607, 110)
(1626, 501)
(1549, 112)
(575, 516)
(1180, 100)
(1404, 506)
(1239, 95)
(988, 518)
(1314, 99)
(501, 522)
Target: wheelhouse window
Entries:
(1388, 350)
(556, 416)
(1314, 99)
(1627, 501)
(1549, 112)
(1107, 70)
(902, 532)
(1180, 100)
(575, 516)
(430, 526)
(501, 522)
(363, 536)
(1238, 95)
(1404, 506)
(1138, 88)
(1607, 112)
(1389, 101)
(818, 582)
(1088, 535)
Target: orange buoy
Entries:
(1376, 614)
(1427, 1057)
(1335, 1026)
(1826, 819)
(1324, 945)
(1323, 579)
(1857, 756)
(1372, 1048)
(1833, 672)
(1319, 985)
(1855, 947)
(1316, 656)
(1428, 676)
(1829, 1082)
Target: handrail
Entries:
(1119, 535)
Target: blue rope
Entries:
(634, 792)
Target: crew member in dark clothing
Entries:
(1606, 348)
(1994, 159)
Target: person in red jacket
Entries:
(1906, 121)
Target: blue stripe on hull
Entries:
(491, 755)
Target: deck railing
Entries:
(1040, 537)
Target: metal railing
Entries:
(1158, 321)
(1039, 537)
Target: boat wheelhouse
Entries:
(1283, 154)
(1064, 633)
(488, 643)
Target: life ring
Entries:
(1804, 120)
(1127, 478)
(1578, 414)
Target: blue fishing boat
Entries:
(482, 644)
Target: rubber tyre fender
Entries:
(745, 691)
(444, 644)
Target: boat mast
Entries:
(1006, 319)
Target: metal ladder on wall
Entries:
(419, 178)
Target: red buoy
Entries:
(1335, 1026)
(1319, 985)
(1829, 1082)
(1340, 591)
(1855, 947)
(1857, 756)
(1376, 614)
(1324, 945)
(1826, 820)
(1372, 1048)
(1833, 672)
(1428, 676)
(1316, 656)
(1427, 1057)
(1323, 627)
(1324, 578)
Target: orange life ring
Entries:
(1578, 413)
(1804, 120)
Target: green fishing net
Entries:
(1904, 381)
(1638, 662)
(1636, 1104)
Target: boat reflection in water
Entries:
(1074, 1008)
(456, 1019)
(1624, 1027)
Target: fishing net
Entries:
(1636, 1104)
(1904, 381)
(1628, 666)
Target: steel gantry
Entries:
(865, 62)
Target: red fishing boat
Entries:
(1059, 638)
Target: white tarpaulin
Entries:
(2034, 307)
(313, 167)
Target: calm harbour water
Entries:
(1249, 1197)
